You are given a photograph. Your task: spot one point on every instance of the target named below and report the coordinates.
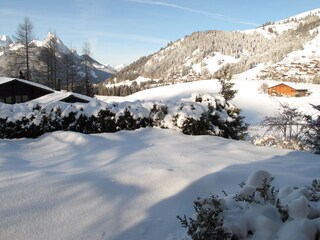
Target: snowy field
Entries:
(254, 106)
(133, 184)
(127, 185)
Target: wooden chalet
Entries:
(14, 90)
(287, 91)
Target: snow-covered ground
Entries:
(133, 184)
(127, 185)
(255, 106)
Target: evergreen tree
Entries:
(236, 129)
(85, 88)
(313, 131)
(224, 76)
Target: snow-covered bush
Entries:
(208, 224)
(258, 211)
(212, 116)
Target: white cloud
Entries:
(214, 15)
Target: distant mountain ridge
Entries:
(9, 67)
(5, 41)
(202, 54)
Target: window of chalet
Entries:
(9, 99)
(18, 99)
(25, 98)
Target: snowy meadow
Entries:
(134, 184)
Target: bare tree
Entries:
(86, 56)
(288, 123)
(24, 36)
(263, 88)
(71, 73)
(51, 49)
(85, 87)
(68, 60)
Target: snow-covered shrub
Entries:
(157, 114)
(126, 121)
(193, 126)
(234, 126)
(258, 211)
(201, 228)
(106, 121)
(212, 116)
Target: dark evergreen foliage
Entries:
(313, 131)
(157, 113)
(224, 76)
(212, 121)
(192, 126)
(208, 223)
(85, 88)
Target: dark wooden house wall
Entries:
(16, 91)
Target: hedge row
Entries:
(214, 120)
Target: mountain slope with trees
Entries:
(201, 54)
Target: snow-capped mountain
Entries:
(118, 68)
(5, 41)
(61, 47)
(44, 52)
(202, 54)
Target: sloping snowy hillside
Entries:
(127, 185)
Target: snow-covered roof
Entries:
(49, 98)
(4, 80)
(60, 96)
(289, 85)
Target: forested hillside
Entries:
(201, 54)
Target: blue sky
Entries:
(121, 31)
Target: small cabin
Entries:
(287, 91)
(14, 90)
(63, 96)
